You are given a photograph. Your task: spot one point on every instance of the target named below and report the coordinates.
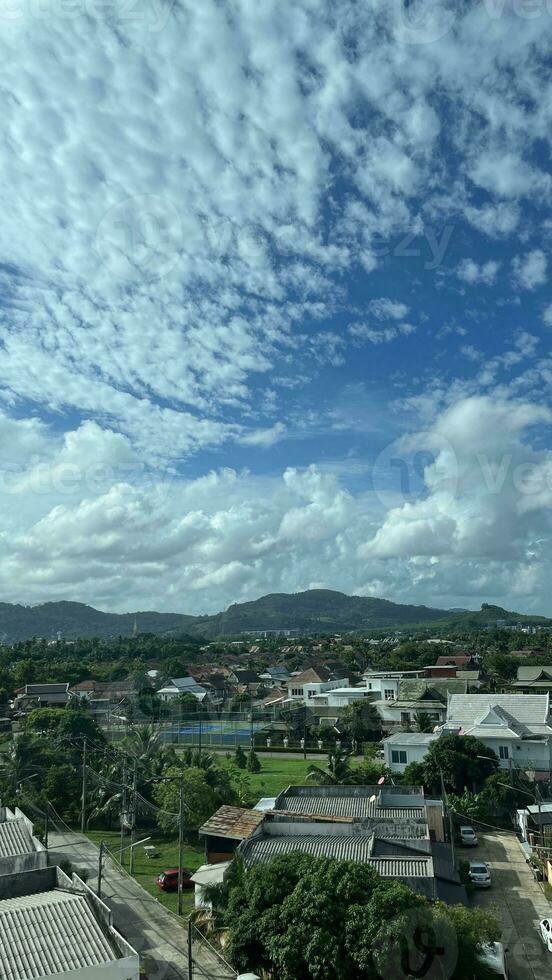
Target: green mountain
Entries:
(315, 611)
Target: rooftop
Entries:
(15, 838)
(49, 933)
(524, 714)
(411, 738)
(233, 822)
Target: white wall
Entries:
(414, 753)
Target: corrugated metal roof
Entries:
(15, 838)
(348, 848)
(49, 933)
(233, 822)
(346, 806)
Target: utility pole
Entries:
(180, 841)
(100, 869)
(133, 816)
(200, 733)
(190, 951)
(46, 827)
(123, 813)
(83, 795)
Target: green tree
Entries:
(361, 721)
(66, 723)
(464, 762)
(423, 722)
(253, 763)
(240, 758)
(200, 799)
(337, 770)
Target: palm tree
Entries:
(337, 772)
(423, 722)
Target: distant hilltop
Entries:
(315, 611)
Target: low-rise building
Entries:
(305, 686)
(405, 747)
(533, 680)
(41, 696)
(55, 926)
(20, 850)
(177, 686)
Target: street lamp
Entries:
(104, 849)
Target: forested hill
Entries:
(315, 611)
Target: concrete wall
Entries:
(414, 753)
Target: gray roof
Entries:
(411, 738)
(15, 838)
(48, 933)
(185, 684)
(345, 806)
(36, 689)
(344, 848)
(534, 673)
(523, 714)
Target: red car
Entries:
(168, 880)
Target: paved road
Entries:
(517, 900)
(158, 935)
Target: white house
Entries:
(340, 697)
(406, 747)
(516, 727)
(305, 686)
(182, 685)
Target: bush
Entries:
(253, 763)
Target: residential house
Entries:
(226, 829)
(304, 686)
(177, 686)
(387, 829)
(459, 660)
(246, 681)
(406, 747)
(274, 676)
(518, 729)
(112, 691)
(533, 680)
(419, 696)
(20, 850)
(41, 696)
(55, 926)
(535, 820)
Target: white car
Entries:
(468, 837)
(545, 929)
(480, 875)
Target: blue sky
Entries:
(275, 302)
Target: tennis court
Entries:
(216, 732)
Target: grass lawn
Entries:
(275, 776)
(146, 869)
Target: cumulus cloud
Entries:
(472, 273)
(530, 270)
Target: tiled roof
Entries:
(534, 673)
(311, 676)
(15, 839)
(417, 690)
(528, 710)
(233, 822)
(48, 933)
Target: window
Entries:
(503, 752)
(398, 757)
(389, 693)
(405, 717)
(370, 687)
(297, 692)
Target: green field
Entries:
(275, 776)
(146, 869)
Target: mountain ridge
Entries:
(315, 611)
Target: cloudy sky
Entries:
(275, 301)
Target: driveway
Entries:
(517, 901)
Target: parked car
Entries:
(480, 875)
(545, 929)
(167, 881)
(468, 837)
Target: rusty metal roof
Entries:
(233, 822)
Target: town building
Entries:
(533, 680)
(55, 926)
(177, 686)
(306, 685)
(41, 696)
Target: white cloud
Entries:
(469, 271)
(530, 270)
